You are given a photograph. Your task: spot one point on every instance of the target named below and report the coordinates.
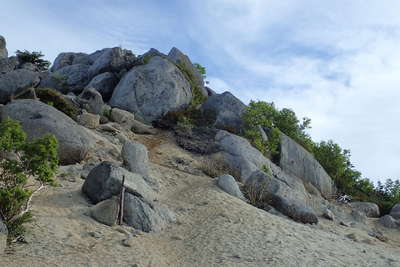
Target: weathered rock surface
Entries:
(76, 77)
(199, 140)
(144, 215)
(104, 83)
(389, 222)
(89, 120)
(15, 81)
(106, 211)
(294, 210)
(3, 48)
(91, 100)
(39, 119)
(229, 110)
(228, 184)
(358, 216)
(295, 160)
(149, 91)
(176, 56)
(368, 208)
(395, 211)
(67, 59)
(122, 117)
(136, 158)
(141, 128)
(328, 214)
(3, 236)
(8, 64)
(105, 180)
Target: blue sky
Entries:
(336, 62)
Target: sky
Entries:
(336, 62)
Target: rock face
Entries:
(229, 110)
(149, 91)
(296, 211)
(228, 184)
(8, 64)
(3, 236)
(39, 119)
(91, 100)
(136, 158)
(76, 77)
(105, 180)
(3, 48)
(104, 83)
(182, 60)
(389, 222)
(395, 211)
(106, 211)
(66, 59)
(15, 81)
(144, 215)
(122, 117)
(368, 208)
(89, 120)
(295, 160)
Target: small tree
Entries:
(19, 160)
(34, 58)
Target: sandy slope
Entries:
(213, 229)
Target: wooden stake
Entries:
(121, 202)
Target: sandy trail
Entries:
(212, 229)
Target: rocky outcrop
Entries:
(368, 208)
(67, 59)
(229, 110)
(74, 77)
(14, 82)
(228, 184)
(104, 83)
(105, 181)
(88, 120)
(8, 64)
(3, 236)
(39, 119)
(91, 100)
(151, 90)
(184, 63)
(145, 215)
(122, 117)
(295, 160)
(3, 48)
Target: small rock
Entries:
(122, 116)
(89, 120)
(328, 214)
(353, 237)
(228, 184)
(388, 221)
(96, 235)
(106, 212)
(176, 237)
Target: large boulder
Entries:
(8, 64)
(184, 63)
(68, 58)
(151, 90)
(39, 119)
(91, 100)
(229, 110)
(3, 48)
(228, 184)
(111, 60)
(75, 77)
(145, 215)
(298, 212)
(395, 211)
(3, 237)
(16, 81)
(295, 160)
(368, 208)
(105, 181)
(389, 222)
(136, 158)
(104, 83)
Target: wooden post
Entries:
(121, 202)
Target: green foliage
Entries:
(146, 58)
(58, 101)
(37, 159)
(34, 58)
(188, 117)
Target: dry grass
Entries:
(256, 193)
(215, 166)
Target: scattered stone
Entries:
(122, 117)
(3, 236)
(91, 100)
(89, 120)
(389, 222)
(368, 208)
(96, 235)
(108, 128)
(141, 128)
(344, 224)
(353, 237)
(378, 235)
(144, 215)
(136, 158)
(106, 211)
(104, 181)
(228, 184)
(151, 90)
(328, 214)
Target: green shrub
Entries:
(188, 117)
(57, 100)
(33, 57)
(37, 159)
